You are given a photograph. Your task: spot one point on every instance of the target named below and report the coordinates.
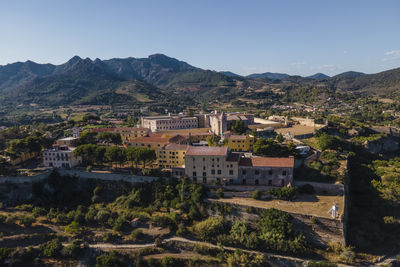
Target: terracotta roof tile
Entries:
(267, 162)
(207, 151)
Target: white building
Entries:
(60, 157)
(170, 122)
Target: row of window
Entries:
(56, 159)
(219, 172)
(204, 159)
(257, 172)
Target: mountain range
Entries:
(137, 80)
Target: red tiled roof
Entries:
(237, 137)
(176, 147)
(117, 129)
(207, 151)
(150, 139)
(267, 162)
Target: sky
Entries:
(254, 36)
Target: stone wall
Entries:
(80, 174)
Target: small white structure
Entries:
(334, 211)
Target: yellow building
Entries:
(127, 133)
(241, 143)
(153, 142)
(172, 155)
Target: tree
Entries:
(210, 228)
(256, 194)
(87, 152)
(114, 138)
(133, 155)
(238, 127)
(87, 137)
(239, 231)
(147, 155)
(115, 154)
(325, 141)
(51, 248)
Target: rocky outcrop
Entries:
(382, 145)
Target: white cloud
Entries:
(298, 63)
(392, 55)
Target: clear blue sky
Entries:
(295, 37)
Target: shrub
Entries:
(171, 262)
(220, 193)
(136, 234)
(11, 219)
(285, 193)
(210, 228)
(119, 224)
(256, 194)
(314, 220)
(110, 237)
(25, 207)
(89, 168)
(321, 264)
(347, 256)
(38, 211)
(27, 221)
(109, 260)
(74, 250)
(307, 189)
(73, 228)
(240, 258)
(182, 230)
(51, 248)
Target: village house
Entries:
(265, 171)
(210, 164)
(171, 155)
(127, 133)
(241, 143)
(60, 157)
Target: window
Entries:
(204, 180)
(204, 159)
(270, 172)
(218, 159)
(284, 173)
(282, 182)
(243, 172)
(269, 182)
(230, 172)
(194, 174)
(204, 167)
(194, 179)
(212, 171)
(244, 181)
(219, 171)
(257, 172)
(256, 182)
(204, 174)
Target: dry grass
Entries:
(305, 204)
